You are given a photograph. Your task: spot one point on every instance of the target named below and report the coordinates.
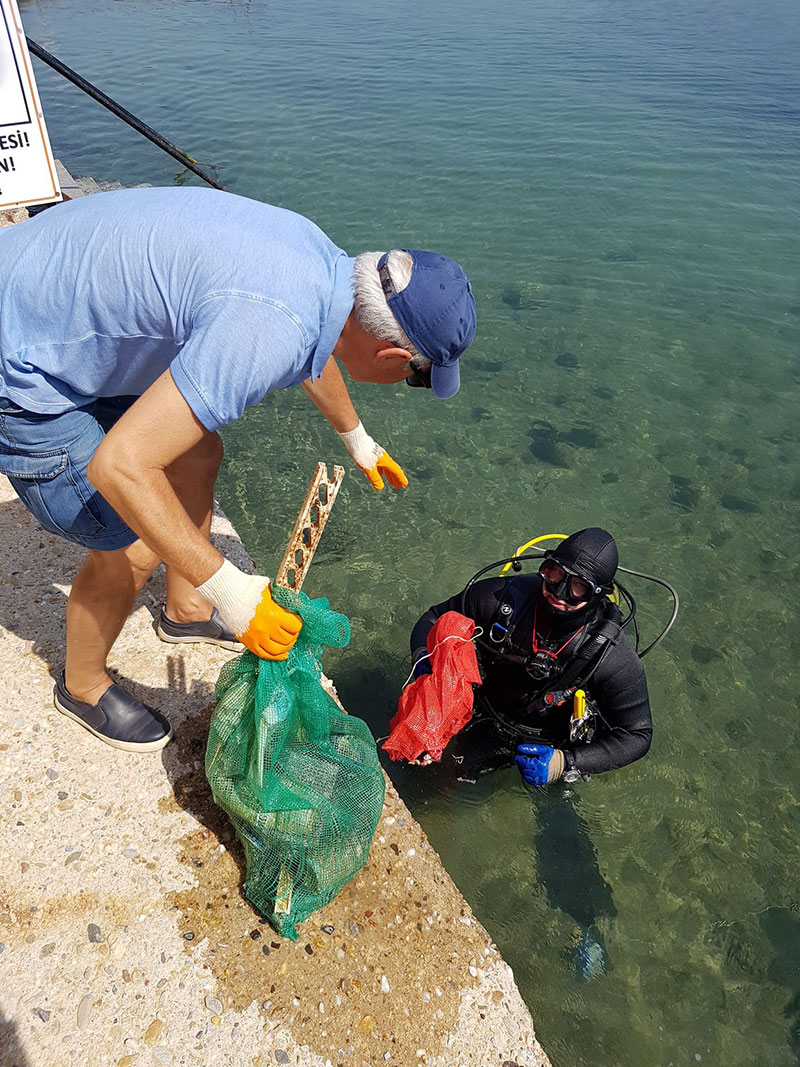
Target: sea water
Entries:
(620, 181)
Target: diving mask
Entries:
(566, 585)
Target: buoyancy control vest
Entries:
(529, 692)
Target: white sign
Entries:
(27, 170)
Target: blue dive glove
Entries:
(539, 764)
(422, 662)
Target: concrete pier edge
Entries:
(124, 936)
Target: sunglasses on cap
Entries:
(571, 588)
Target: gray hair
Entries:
(371, 308)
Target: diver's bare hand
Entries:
(422, 761)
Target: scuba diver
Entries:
(563, 692)
(562, 695)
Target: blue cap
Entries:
(437, 311)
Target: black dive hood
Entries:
(591, 554)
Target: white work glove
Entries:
(373, 459)
(245, 603)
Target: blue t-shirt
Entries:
(99, 296)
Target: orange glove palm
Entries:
(245, 602)
(387, 467)
(272, 631)
(373, 459)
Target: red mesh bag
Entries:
(436, 706)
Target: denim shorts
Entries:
(45, 459)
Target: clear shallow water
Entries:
(621, 182)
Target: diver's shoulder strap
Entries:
(611, 611)
(498, 640)
(602, 637)
(582, 665)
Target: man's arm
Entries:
(130, 469)
(330, 395)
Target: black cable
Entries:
(120, 112)
(675, 606)
(636, 633)
(628, 600)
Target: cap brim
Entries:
(445, 381)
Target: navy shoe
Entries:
(211, 632)
(117, 718)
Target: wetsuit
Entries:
(503, 714)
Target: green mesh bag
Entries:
(299, 779)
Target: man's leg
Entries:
(189, 618)
(66, 504)
(105, 588)
(193, 478)
(101, 600)
(102, 597)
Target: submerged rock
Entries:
(568, 360)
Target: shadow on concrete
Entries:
(36, 571)
(37, 566)
(184, 758)
(12, 1053)
(34, 566)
